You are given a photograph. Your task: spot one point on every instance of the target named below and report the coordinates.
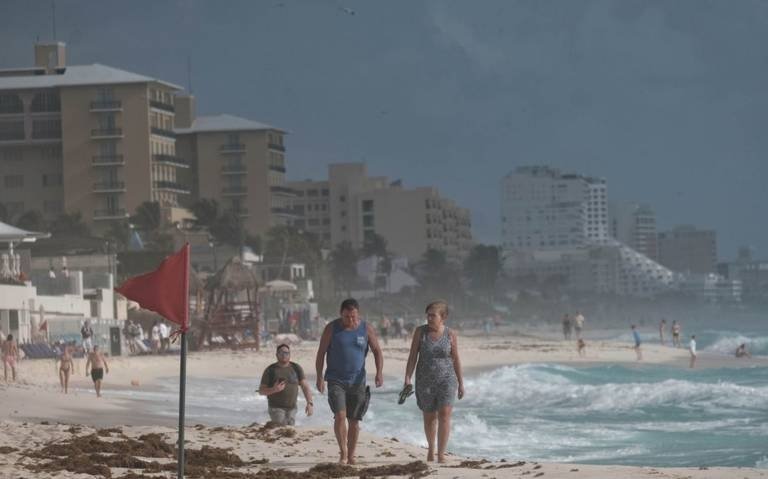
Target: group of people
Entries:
(394, 328)
(675, 329)
(340, 368)
(573, 324)
(159, 337)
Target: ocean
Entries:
(644, 415)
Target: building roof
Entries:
(77, 75)
(203, 124)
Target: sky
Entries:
(666, 100)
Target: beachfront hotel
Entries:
(86, 138)
(556, 225)
(238, 162)
(352, 206)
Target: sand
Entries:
(34, 415)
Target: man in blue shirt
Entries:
(346, 341)
(637, 349)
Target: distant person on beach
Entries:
(578, 324)
(96, 366)
(86, 332)
(692, 350)
(345, 342)
(384, 329)
(10, 356)
(567, 326)
(165, 337)
(638, 343)
(438, 376)
(581, 347)
(280, 383)
(662, 327)
(741, 351)
(66, 368)
(154, 335)
(676, 328)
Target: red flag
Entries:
(165, 290)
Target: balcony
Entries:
(106, 133)
(108, 160)
(232, 148)
(277, 168)
(234, 170)
(275, 146)
(172, 186)
(234, 191)
(162, 132)
(282, 191)
(171, 160)
(109, 187)
(284, 212)
(106, 105)
(111, 214)
(162, 106)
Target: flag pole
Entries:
(183, 366)
(182, 387)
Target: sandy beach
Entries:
(39, 425)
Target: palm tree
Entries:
(206, 212)
(31, 220)
(4, 216)
(344, 266)
(147, 217)
(482, 268)
(70, 224)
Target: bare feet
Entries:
(430, 456)
(351, 461)
(441, 459)
(343, 457)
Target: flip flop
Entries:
(407, 391)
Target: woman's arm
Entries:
(413, 355)
(457, 362)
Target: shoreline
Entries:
(37, 400)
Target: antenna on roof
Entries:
(189, 74)
(53, 11)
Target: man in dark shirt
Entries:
(280, 383)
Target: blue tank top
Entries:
(346, 354)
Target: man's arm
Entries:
(457, 362)
(373, 342)
(106, 366)
(88, 365)
(307, 395)
(325, 341)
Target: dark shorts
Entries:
(97, 374)
(352, 398)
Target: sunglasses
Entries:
(284, 353)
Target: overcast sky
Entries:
(667, 100)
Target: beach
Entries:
(35, 415)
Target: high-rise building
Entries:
(87, 138)
(351, 206)
(686, 249)
(541, 209)
(555, 226)
(238, 162)
(635, 226)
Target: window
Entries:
(52, 180)
(367, 221)
(13, 154)
(11, 130)
(325, 192)
(342, 198)
(11, 103)
(14, 207)
(233, 138)
(46, 102)
(367, 206)
(311, 192)
(46, 129)
(13, 181)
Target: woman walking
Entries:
(435, 356)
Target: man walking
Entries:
(578, 324)
(95, 366)
(280, 383)
(346, 341)
(692, 351)
(638, 343)
(87, 333)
